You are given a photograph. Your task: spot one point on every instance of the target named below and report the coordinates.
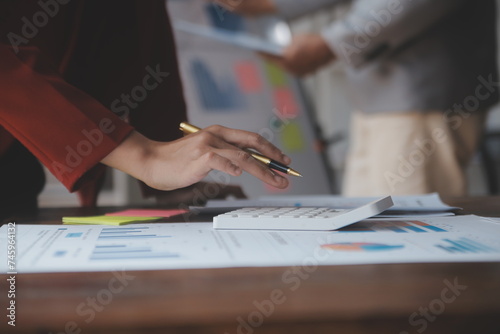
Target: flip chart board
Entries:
(231, 85)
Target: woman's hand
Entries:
(180, 163)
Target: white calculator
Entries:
(298, 218)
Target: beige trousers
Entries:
(411, 153)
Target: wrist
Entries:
(325, 53)
(131, 155)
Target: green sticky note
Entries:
(275, 75)
(107, 220)
(292, 137)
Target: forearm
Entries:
(67, 130)
(129, 156)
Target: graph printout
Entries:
(61, 248)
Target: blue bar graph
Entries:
(122, 236)
(396, 229)
(222, 18)
(127, 252)
(222, 94)
(396, 226)
(129, 233)
(464, 245)
(355, 229)
(434, 228)
(449, 249)
(415, 229)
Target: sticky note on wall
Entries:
(292, 137)
(248, 77)
(285, 103)
(275, 75)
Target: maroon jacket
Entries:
(76, 77)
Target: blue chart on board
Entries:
(222, 94)
(224, 19)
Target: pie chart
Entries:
(360, 247)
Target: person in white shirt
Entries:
(422, 75)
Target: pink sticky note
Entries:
(248, 77)
(147, 213)
(285, 103)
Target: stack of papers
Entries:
(56, 248)
(429, 205)
(424, 239)
(147, 213)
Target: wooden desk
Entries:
(389, 298)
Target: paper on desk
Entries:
(147, 213)
(237, 38)
(53, 248)
(495, 219)
(408, 205)
(107, 220)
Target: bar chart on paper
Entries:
(216, 93)
(396, 226)
(127, 252)
(118, 244)
(464, 245)
(130, 233)
(51, 248)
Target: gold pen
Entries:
(188, 128)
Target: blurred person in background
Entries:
(422, 75)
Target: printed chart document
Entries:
(61, 248)
(407, 205)
(237, 38)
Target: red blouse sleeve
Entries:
(66, 129)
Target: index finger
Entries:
(247, 139)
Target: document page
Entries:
(62, 248)
(429, 202)
(429, 205)
(236, 38)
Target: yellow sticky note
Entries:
(292, 137)
(275, 75)
(107, 220)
